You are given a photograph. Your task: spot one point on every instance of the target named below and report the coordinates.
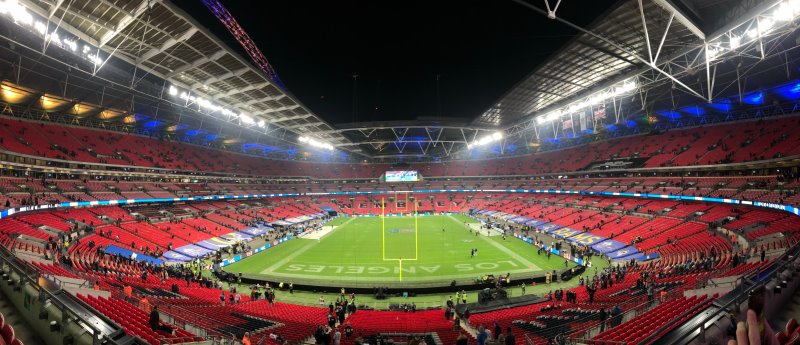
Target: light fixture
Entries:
(794, 5)
(315, 143)
(597, 98)
(20, 15)
(712, 53)
(486, 140)
(734, 42)
(40, 27)
(783, 13)
(203, 103)
(765, 24)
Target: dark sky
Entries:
(478, 48)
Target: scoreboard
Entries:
(402, 176)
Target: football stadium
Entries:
(511, 172)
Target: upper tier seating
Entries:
(760, 140)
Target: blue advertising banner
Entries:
(192, 250)
(608, 246)
(534, 222)
(127, 253)
(548, 227)
(564, 232)
(626, 253)
(173, 256)
(237, 236)
(586, 239)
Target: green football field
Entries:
(425, 249)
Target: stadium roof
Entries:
(610, 49)
(639, 55)
(159, 38)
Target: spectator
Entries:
(603, 317)
(462, 339)
(510, 338)
(246, 338)
(154, 322)
(348, 331)
(337, 337)
(616, 316)
(482, 335)
(144, 304)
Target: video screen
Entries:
(402, 176)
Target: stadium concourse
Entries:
(641, 185)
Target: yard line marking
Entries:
(302, 250)
(502, 248)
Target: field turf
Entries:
(435, 249)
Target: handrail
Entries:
(672, 322)
(173, 340)
(637, 309)
(30, 276)
(776, 267)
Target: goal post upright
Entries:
(383, 228)
(416, 233)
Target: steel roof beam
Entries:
(126, 21)
(168, 44)
(264, 99)
(250, 87)
(194, 64)
(681, 18)
(54, 8)
(221, 77)
(290, 118)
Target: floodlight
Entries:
(794, 5)
(734, 42)
(315, 143)
(553, 115)
(765, 24)
(496, 136)
(71, 44)
(172, 90)
(40, 27)
(20, 15)
(246, 119)
(712, 53)
(784, 12)
(95, 59)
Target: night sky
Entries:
(479, 49)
